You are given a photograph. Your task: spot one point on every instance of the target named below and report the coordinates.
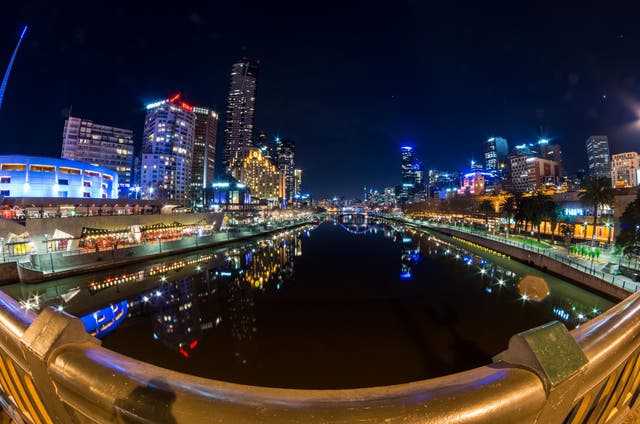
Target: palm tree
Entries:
(551, 212)
(509, 209)
(486, 208)
(535, 210)
(597, 192)
(567, 230)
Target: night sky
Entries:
(349, 84)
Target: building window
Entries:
(73, 171)
(63, 182)
(63, 194)
(86, 194)
(87, 183)
(5, 180)
(42, 168)
(13, 167)
(5, 193)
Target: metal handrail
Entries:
(97, 385)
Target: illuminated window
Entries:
(14, 167)
(72, 171)
(42, 168)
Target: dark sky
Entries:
(350, 82)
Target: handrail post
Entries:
(554, 355)
(48, 332)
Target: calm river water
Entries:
(340, 305)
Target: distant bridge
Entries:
(354, 222)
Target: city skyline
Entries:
(313, 88)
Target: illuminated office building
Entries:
(204, 150)
(412, 174)
(598, 156)
(110, 147)
(530, 174)
(240, 116)
(285, 161)
(167, 150)
(297, 187)
(262, 177)
(496, 151)
(625, 170)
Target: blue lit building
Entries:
(227, 194)
(32, 176)
(412, 174)
(496, 152)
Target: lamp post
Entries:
(608, 225)
(584, 235)
(160, 242)
(2, 246)
(46, 241)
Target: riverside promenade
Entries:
(597, 274)
(47, 266)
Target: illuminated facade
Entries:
(31, 176)
(474, 183)
(496, 151)
(204, 150)
(285, 161)
(240, 117)
(598, 156)
(297, 186)
(530, 174)
(167, 150)
(262, 177)
(105, 146)
(412, 174)
(625, 170)
(551, 152)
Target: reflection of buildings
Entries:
(176, 315)
(409, 257)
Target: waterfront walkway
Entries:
(62, 264)
(603, 268)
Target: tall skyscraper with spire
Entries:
(240, 116)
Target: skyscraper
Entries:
(551, 152)
(412, 174)
(240, 117)
(167, 150)
(297, 190)
(598, 156)
(285, 161)
(105, 146)
(496, 152)
(204, 149)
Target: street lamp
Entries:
(46, 241)
(584, 235)
(608, 225)
(160, 242)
